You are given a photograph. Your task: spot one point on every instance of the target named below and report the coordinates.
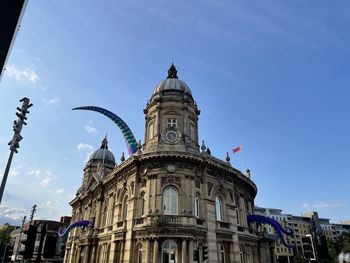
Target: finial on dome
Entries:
(228, 157)
(122, 158)
(203, 148)
(104, 144)
(172, 72)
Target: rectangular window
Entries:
(172, 122)
(150, 131)
(196, 208)
(192, 132)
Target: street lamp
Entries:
(14, 143)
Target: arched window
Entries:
(222, 253)
(241, 256)
(139, 253)
(169, 251)
(196, 205)
(170, 197)
(104, 215)
(218, 208)
(125, 208)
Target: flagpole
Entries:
(243, 159)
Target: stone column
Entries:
(184, 246)
(98, 213)
(93, 254)
(148, 251)
(77, 256)
(190, 251)
(231, 249)
(155, 251)
(113, 252)
(86, 254)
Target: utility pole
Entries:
(31, 219)
(14, 143)
(20, 236)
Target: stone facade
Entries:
(170, 197)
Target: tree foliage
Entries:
(5, 237)
(342, 244)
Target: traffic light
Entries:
(204, 253)
(28, 242)
(308, 247)
(50, 246)
(196, 255)
(8, 253)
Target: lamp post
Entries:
(14, 143)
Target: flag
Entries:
(238, 149)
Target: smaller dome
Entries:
(103, 154)
(172, 83)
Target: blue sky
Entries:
(271, 75)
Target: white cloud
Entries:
(34, 172)
(85, 147)
(60, 190)
(13, 213)
(88, 150)
(91, 130)
(321, 205)
(44, 178)
(15, 170)
(23, 75)
(54, 101)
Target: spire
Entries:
(122, 158)
(104, 144)
(228, 157)
(172, 72)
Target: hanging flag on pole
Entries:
(238, 149)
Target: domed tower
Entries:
(171, 117)
(102, 155)
(100, 163)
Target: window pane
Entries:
(170, 201)
(165, 257)
(218, 208)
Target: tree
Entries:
(5, 237)
(342, 244)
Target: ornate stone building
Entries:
(171, 197)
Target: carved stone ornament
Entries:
(143, 182)
(171, 179)
(197, 183)
(144, 170)
(171, 168)
(210, 186)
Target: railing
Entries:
(221, 224)
(139, 221)
(171, 218)
(199, 221)
(120, 223)
(240, 228)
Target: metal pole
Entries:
(19, 239)
(3, 257)
(4, 178)
(14, 143)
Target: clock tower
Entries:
(171, 117)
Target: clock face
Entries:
(171, 136)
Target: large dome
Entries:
(103, 154)
(172, 83)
